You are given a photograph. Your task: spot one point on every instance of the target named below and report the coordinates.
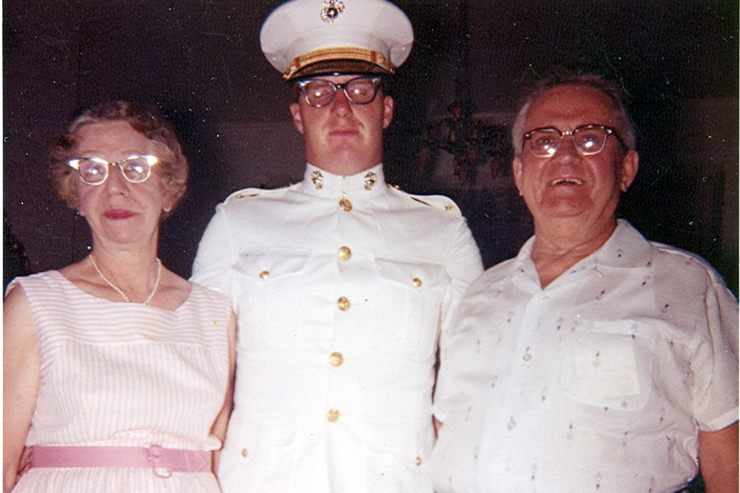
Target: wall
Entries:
(200, 61)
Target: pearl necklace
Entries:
(120, 291)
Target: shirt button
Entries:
(417, 282)
(332, 415)
(418, 461)
(344, 253)
(264, 274)
(336, 359)
(244, 452)
(343, 304)
(345, 204)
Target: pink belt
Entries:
(164, 461)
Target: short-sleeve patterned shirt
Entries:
(599, 382)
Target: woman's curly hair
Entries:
(172, 167)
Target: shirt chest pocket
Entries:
(610, 365)
(413, 293)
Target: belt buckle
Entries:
(154, 456)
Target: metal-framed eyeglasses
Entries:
(588, 139)
(319, 92)
(95, 170)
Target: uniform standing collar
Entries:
(366, 183)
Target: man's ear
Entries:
(630, 164)
(516, 171)
(387, 111)
(295, 110)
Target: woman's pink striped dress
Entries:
(125, 374)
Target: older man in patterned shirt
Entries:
(595, 360)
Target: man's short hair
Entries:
(558, 77)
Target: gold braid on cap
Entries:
(342, 53)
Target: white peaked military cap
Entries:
(303, 38)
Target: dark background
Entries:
(200, 62)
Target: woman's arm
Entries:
(222, 420)
(21, 380)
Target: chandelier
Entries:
(471, 143)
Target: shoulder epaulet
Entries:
(246, 192)
(436, 201)
(253, 192)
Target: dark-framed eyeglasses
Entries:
(95, 170)
(589, 139)
(319, 92)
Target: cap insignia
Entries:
(332, 8)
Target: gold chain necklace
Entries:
(120, 291)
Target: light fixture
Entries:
(471, 142)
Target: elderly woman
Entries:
(117, 372)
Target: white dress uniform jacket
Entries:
(341, 286)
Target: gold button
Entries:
(343, 304)
(418, 461)
(417, 282)
(244, 452)
(264, 274)
(345, 204)
(332, 415)
(336, 359)
(344, 253)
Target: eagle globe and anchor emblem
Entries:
(332, 8)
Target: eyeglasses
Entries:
(588, 139)
(318, 92)
(94, 170)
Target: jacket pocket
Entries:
(270, 281)
(412, 292)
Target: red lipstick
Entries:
(118, 214)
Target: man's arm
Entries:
(222, 420)
(464, 265)
(215, 255)
(718, 459)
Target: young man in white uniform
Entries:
(341, 283)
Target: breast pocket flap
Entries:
(271, 264)
(414, 274)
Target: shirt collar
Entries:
(625, 248)
(367, 183)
